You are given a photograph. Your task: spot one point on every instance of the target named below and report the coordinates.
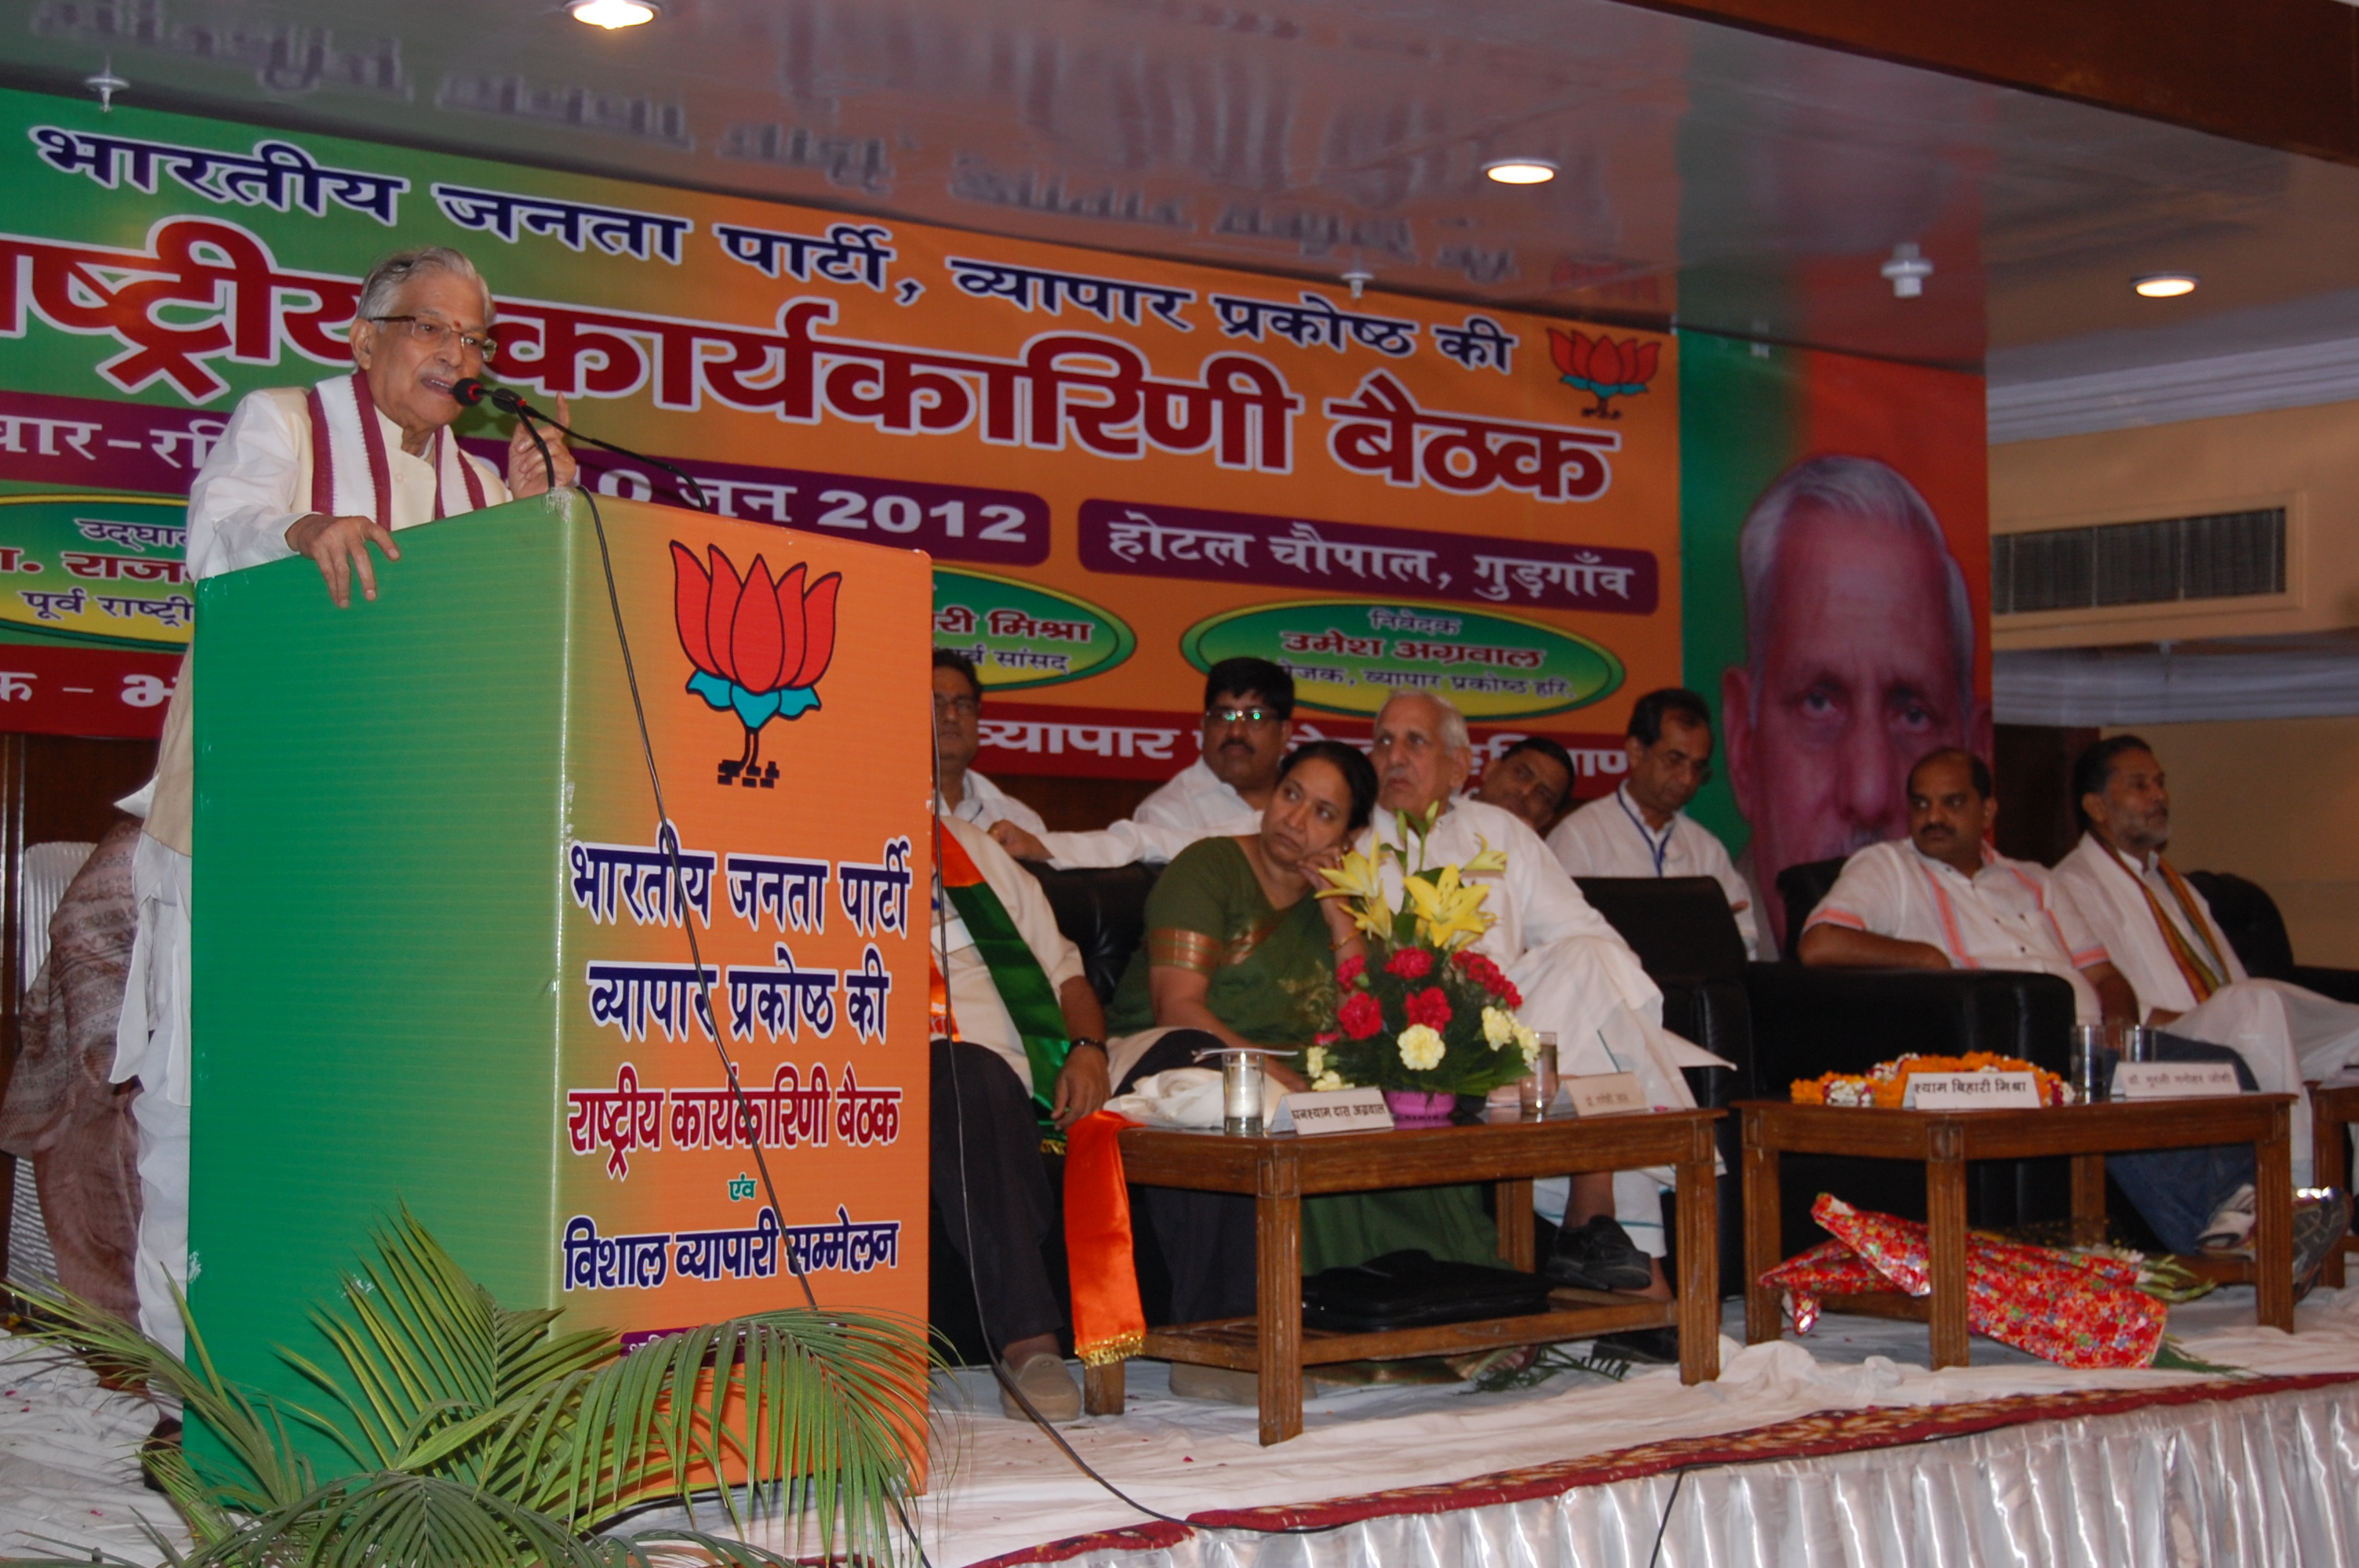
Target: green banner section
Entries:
(1738, 431)
(1349, 654)
(94, 570)
(1020, 634)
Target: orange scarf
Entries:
(1109, 1324)
(2201, 979)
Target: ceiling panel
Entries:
(1723, 178)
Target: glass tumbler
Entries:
(1242, 1087)
(2088, 1070)
(1535, 1091)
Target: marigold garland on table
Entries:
(1886, 1083)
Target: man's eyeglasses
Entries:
(962, 706)
(1241, 715)
(1681, 763)
(434, 334)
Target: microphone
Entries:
(469, 390)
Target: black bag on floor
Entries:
(1413, 1289)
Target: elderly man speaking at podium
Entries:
(328, 472)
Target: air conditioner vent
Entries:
(2223, 555)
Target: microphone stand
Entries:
(473, 391)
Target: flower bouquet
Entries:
(1423, 1015)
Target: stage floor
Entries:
(68, 1480)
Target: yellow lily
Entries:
(1486, 859)
(1359, 880)
(1447, 909)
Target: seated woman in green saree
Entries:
(1239, 952)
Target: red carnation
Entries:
(1348, 972)
(1507, 993)
(1431, 1008)
(1361, 1015)
(1410, 964)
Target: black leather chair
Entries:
(1810, 1021)
(1687, 941)
(2249, 917)
(1102, 912)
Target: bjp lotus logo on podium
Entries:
(1603, 368)
(760, 644)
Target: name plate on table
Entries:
(2175, 1080)
(1311, 1113)
(1971, 1092)
(1605, 1094)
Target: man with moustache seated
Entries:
(1945, 899)
(1532, 779)
(1248, 712)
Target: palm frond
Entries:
(396, 1520)
(269, 1470)
(486, 1435)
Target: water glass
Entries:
(1243, 1084)
(2088, 1069)
(1535, 1091)
(2135, 1042)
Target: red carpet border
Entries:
(1817, 1436)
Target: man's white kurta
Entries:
(1609, 838)
(982, 1017)
(983, 803)
(1194, 804)
(255, 484)
(2285, 1034)
(1580, 982)
(2008, 915)
(1196, 800)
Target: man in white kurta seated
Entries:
(1580, 980)
(2163, 938)
(1946, 900)
(1023, 1041)
(1248, 712)
(329, 471)
(1531, 779)
(1642, 829)
(1943, 899)
(958, 736)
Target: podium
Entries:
(440, 958)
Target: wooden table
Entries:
(1279, 1169)
(1946, 1140)
(2332, 1112)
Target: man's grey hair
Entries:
(1859, 488)
(381, 289)
(1449, 725)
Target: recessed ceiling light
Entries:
(1520, 170)
(2166, 285)
(613, 13)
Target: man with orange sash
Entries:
(328, 472)
(2163, 938)
(1020, 1039)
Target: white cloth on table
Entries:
(255, 485)
(1609, 838)
(1580, 982)
(2286, 1034)
(2009, 915)
(983, 803)
(982, 1017)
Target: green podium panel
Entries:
(439, 957)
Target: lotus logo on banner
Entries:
(1603, 367)
(760, 644)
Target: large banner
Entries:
(1124, 470)
(1838, 594)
